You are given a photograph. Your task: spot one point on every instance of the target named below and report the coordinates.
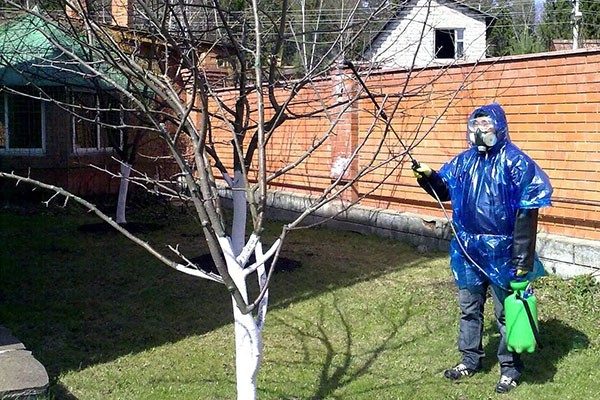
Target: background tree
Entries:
(485, 5)
(556, 22)
(515, 27)
(110, 114)
(524, 17)
(502, 35)
(590, 22)
(314, 26)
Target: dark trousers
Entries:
(470, 335)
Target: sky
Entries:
(539, 7)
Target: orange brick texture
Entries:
(121, 11)
(552, 103)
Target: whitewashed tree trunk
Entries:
(248, 349)
(248, 335)
(123, 188)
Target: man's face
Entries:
(482, 132)
(482, 124)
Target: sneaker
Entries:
(458, 372)
(506, 384)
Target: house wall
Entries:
(396, 47)
(58, 165)
(62, 167)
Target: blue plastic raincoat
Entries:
(486, 189)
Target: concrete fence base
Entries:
(564, 256)
(21, 375)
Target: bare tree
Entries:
(218, 139)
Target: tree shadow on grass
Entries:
(341, 363)
(557, 338)
(76, 300)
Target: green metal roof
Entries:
(32, 51)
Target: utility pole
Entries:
(576, 19)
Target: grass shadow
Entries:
(557, 338)
(61, 392)
(102, 228)
(341, 363)
(77, 300)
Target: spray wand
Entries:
(349, 64)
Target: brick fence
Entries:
(552, 101)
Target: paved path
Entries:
(21, 376)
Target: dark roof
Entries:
(471, 8)
(35, 51)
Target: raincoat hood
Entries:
(496, 113)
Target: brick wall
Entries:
(121, 12)
(553, 109)
(552, 102)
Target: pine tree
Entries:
(526, 41)
(556, 22)
(513, 31)
(590, 23)
(502, 33)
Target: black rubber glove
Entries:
(524, 237)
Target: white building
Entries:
(430, 33)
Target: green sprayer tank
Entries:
(521, 328)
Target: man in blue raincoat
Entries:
(496, 191)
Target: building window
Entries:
(22, 122)
(449, 43)
(95, 122)
(221, 62)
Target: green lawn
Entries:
(363, 318)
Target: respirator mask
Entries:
(482, 133)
